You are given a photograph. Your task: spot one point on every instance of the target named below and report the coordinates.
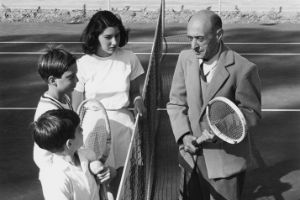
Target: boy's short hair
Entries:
(98, 23)
(53, 128)
(55, 62)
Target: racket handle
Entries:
(204, 137)
(103, 192)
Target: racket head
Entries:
(95, 128)
(226, 120)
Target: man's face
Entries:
(204, 39)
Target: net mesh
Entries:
(137, 178)
(225, 119)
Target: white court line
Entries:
(263, 110)
(34, 42)
(247, 43)
(40, 53)
(150, 42)
(17, 108)
(159, 109)
(253, 54)
(170, 54)
(29, 53)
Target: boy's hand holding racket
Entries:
(96, 127)
(103, 173)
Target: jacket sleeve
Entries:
(177, 107)
(248, 96)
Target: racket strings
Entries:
(226, 120)
(96, 140)
(96, 132)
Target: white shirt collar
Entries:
(209, 65)
(62, 164)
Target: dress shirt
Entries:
(209, 67)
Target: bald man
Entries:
(212, 169)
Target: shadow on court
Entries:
(277, 138)
(277, 178)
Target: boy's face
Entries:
(78, 139)
(68, 80)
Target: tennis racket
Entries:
(225, 120)
(96, 131)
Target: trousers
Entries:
(195, 184)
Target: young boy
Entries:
(58, 69)
(68, 176)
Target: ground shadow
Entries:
(266, 181)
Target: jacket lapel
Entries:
(194, 82)
(220, 76)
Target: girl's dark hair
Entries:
(53, 128)
(98, 23)
(55, 62)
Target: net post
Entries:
(108, 5)
(163, 10)
(220, 8)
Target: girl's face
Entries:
(109, 41)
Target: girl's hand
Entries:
(139, 106)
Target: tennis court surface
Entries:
(275, 49)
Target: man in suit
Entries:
(212, 170)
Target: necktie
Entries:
(203, 77)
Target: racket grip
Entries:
(200, 139)
(204, 137)
(103, 192)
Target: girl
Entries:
(113, 76)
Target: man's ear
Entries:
(220, 34)
(52, 80)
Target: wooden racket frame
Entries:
(240, 115)
(99, 106)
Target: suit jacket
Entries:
(235, 78)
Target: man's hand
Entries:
(189, 143)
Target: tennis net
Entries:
(137, 179)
